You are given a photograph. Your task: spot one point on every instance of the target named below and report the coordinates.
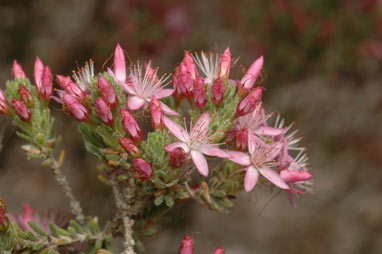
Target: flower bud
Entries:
(107, 91)
(17, 70)
(182, 81)
(251, 75)
(156, 113)
(70, 87)
(22, 110)
(225, 64)
(46, 90)
(199, 93)
(219, 250)
(130, 125)
(104, 112)
(75, 108)
(4, 224)
(38, 71)
(25, 95)
(187, 246)
(242, 139)
(143, 168)
(4, 105)
(119, 65)
(177, 157)
(129, 147)
(249, 102)
(190, 65)
(217, 93)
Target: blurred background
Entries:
(322, 70)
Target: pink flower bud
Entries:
(119, 64)
(182, 81)
(38, 71)
(4, 224)
(143, 168)
(103, 111)
(190, 65)
(46, 84)
(156, 113)
(219, 250)
(199, 93)
(177, 157)
(187, 246)
(225, 64)
(17, 70)
(242, 139)
(249, 102)
(22, 110)
(130, 125)
(251, 75)
(107, 91)
(75, 108)
(25, 95)
(70, 87)
(129, 147)
(4, 105)
(218, 90)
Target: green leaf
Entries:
(36, 229)
(158, 200)
(169, 201)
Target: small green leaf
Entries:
(169, 201)
(37, 229)
(158, 200)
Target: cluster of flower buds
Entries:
(187, 247)
(4, 224)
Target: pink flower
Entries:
(4, 105)
(143, 168)
(251, 75)
(225, 64)
(217, 92)
(156, 113)
(197, 142)
(22, 110)
(17, 70)
(177, 157)
(25, 217)
(38, 71)
(107, 92)
(71, 88)
(75, 108)
(187, 246)
(219, 250)
(199, 93)
(130, 125)
(296, 180)
(129, 146)
(104, 112)
(46, 89)
(259, 160)
(25, 95)
(249, 102)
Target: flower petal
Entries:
(200, 162)
(253, 141)
(250, 179)
(269, 131)
(202, 125)
(239, 157)
(175, 129)
(119, 64)
(167, 110)
(163, 93)
(274, 178)
(135, 102)
(295, 175)
(172, 146)
(212, 150)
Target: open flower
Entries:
(260, 159)
(196, 142)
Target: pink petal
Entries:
(250, 179)
(119, 64)
(134, 102)
(239, 157)
(163, 93)
(202, 125)
(275, 150)
(253, 72)
(295, 175)
(274, 178)
(168, 111)
(269, 131)
(253, 141)
(175, 129)
(212, 150)
(200, 162)
(38, 70)
(169, 148)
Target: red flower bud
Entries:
(219, 250)
(25, 95)
(199, 93)
(17, 70)
(4, 105)
(104, 112)
(70, 87)
(130, 125)
(249, 102)
(177, 157)
(225, 64)
(143, 168)
(22, 110)
(4, 224)
(182, 81)
(75, 108)
(156, 113)
(187, 246)
(107, 92)
(218, 90)
(46, 84)
(38, 71)
(242, 139)
(190, 65)
(129, 146)
(251, 75)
